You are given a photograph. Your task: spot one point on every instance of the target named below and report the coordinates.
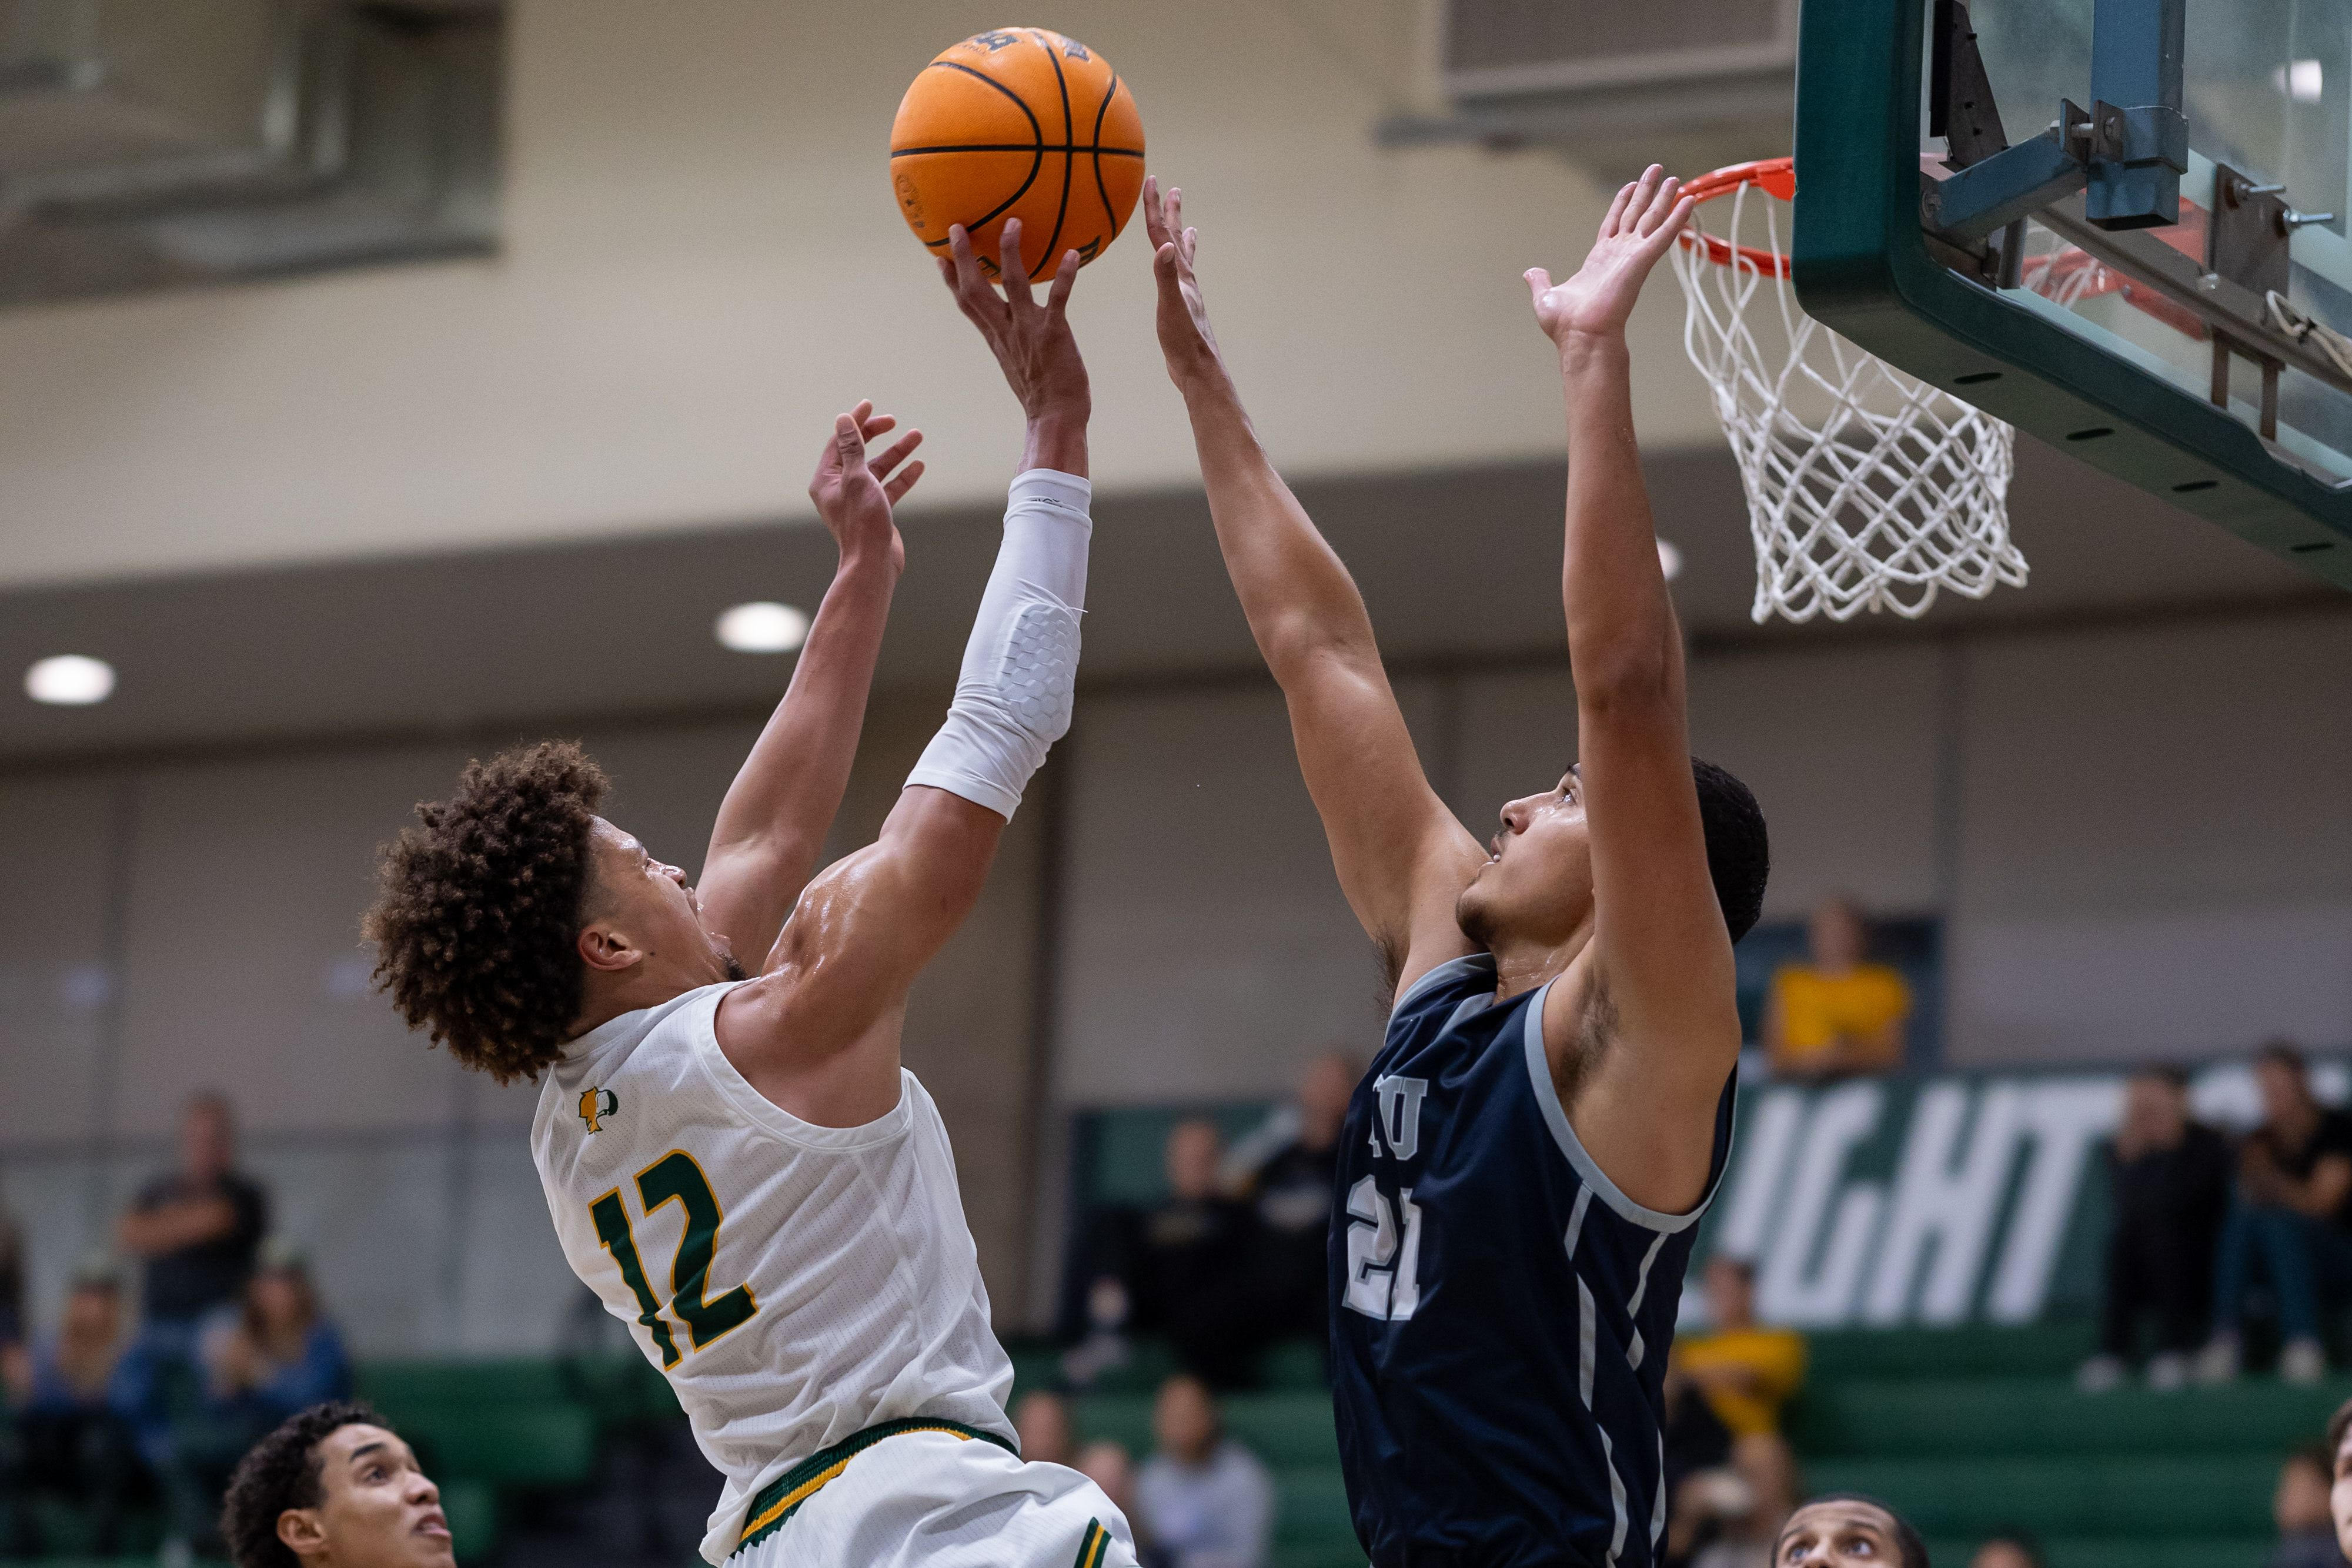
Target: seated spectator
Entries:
(2299, 1507)
(279, 1353)
(1186, 1268)
(2288, 1218)
(334, 1488)
(1040, 1418)
(2009, 1549)
(2168, 1185)
(74, 1441)
(1207, 1500)
(1837, 1016)
(1286, 1169)
(1746, 1371)
(1109, 1467)
(1840, 1530)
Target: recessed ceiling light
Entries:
(1670, 560)
(2304, 81)
(762, 626)
(70, 680)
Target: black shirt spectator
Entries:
(1195, 1275)
(1291, 1188)
(2169, 1182)
(198, 1228)
(2331, 1134)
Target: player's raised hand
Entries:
(1598, 300)
(1031, 341)
(1185, 340)
(854, 492)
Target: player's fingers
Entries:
(1684, 207)
(897, 487)
(1065, 279)
(1155, 222)
(1662, 202)
(969, 283)
(1192, 245)
(899, 451)
(1163, 265)
(1538, 283)
(1012, 267)
(1616, 211)
(1176, 209)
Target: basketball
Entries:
(1018, 123)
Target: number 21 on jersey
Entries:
(1384, 1240)
(675, 1178)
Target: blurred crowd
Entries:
(172, 1354)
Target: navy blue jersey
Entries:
(1500, 1311)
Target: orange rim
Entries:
(1776, 176)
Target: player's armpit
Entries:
(817, 1033)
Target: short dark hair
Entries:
(477, 923)
(2338, 1424)
(281, 1471)
(1739, 851)
(2284, 1051)
(1908, 1543)
(2169, 1073)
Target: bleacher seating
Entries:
(1967, 1431)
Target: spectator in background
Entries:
(2169, 1185)
(279, 1353)
(74, 1441)
(2289, 1216)
(1747, 1371)
(16, 1365)
(1286, 1169)
(2009, 1549)
(2299, 1507)
(1187, 1269)
(1205, 1499)
(1109, 1465)
(1837, 1016)
(1740, 1510)
(1040, 1418)
(197, 1228)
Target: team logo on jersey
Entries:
(595, 1104)
(1399, 1123)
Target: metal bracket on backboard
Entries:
(1865, 265)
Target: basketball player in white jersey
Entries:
(740, 1166)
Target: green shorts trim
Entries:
(782, 1498)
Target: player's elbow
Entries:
(1622, 680)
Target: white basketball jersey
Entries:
(797, 1284)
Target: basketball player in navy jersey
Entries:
(1523, 1167)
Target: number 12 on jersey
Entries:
(1383, 1256)
(675, 1178)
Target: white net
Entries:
(1867, 488)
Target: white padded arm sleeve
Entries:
(1013, 697)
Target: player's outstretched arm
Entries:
(819, 1032)
(1663, 965)
(772, 823)
(1402, 857)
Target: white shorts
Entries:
(936, 1499)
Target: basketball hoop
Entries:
(1867, 488)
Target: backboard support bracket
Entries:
(1864, 265)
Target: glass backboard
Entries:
(2200, 346)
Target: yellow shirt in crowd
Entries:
(1817, 1010)
(1775, 1356)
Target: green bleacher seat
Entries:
(394, 1386)
(1311, 1508)
(526, 1445)
(2216, 1552)
(1930, 1417)
(473, 1510)
(2051, 1349)
(2144, 1497)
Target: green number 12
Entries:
(674, 1177)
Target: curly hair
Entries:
(480, 907)
(281, 1471)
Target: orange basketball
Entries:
(1018, 123)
